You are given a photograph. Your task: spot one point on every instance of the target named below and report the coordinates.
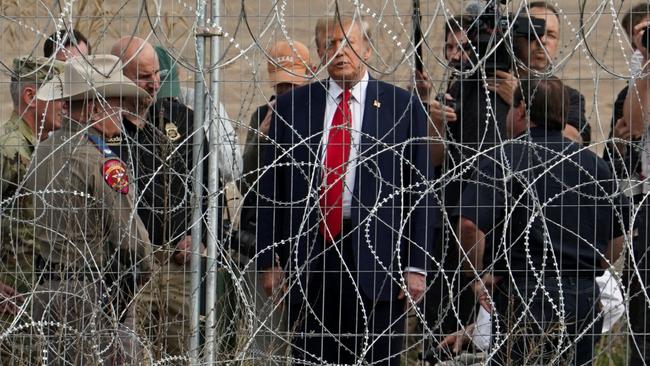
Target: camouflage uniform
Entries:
(17, 142)
(16, 148)
(85, 221)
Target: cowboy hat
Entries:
(88, 77)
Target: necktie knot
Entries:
(345, 96)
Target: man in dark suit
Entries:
(345, 210)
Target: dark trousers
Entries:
(533, 335)
(639, 339)
(337, 323)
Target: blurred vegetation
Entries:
(612, 348)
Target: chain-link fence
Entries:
(338, 182)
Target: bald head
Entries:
(140, 62)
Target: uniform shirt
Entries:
(569, 193)
(357, 103)
(163, 171)
(82, 222)
(16, 148)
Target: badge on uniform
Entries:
(114, 141)
(114, 172)
(172, 132)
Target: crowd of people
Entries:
(364, 201)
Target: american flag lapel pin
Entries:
(376, 104)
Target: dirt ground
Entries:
(592, 57)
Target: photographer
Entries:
(537, 55)
(442, 108)
(444, 118)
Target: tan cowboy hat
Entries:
(88, 77)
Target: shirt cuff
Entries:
(417, 270)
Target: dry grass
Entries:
(612, 348)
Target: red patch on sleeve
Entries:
(114, 172)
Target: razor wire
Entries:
(246, 329)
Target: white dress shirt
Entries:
(357, 103)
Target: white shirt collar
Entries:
(357, 90)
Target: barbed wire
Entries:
(102, 314)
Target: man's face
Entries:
(344, 64)
(538, 56)
(144, 70)
(47, 114)
(109, 114)
(72, 51)
(454, 52)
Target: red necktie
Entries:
(336, 158)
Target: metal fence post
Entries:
(198, 139)
(213, 188)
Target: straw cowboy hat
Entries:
(90, 76)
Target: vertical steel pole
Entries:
(197, 155)
(211, 348)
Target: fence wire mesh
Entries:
(338, 182)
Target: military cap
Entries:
(39, 69)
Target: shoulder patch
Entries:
(114, 172)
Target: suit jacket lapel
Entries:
(316, 110)
(371, 129)
(371, 120)
(308, 117)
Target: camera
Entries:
(646, 38)
(490, 33)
